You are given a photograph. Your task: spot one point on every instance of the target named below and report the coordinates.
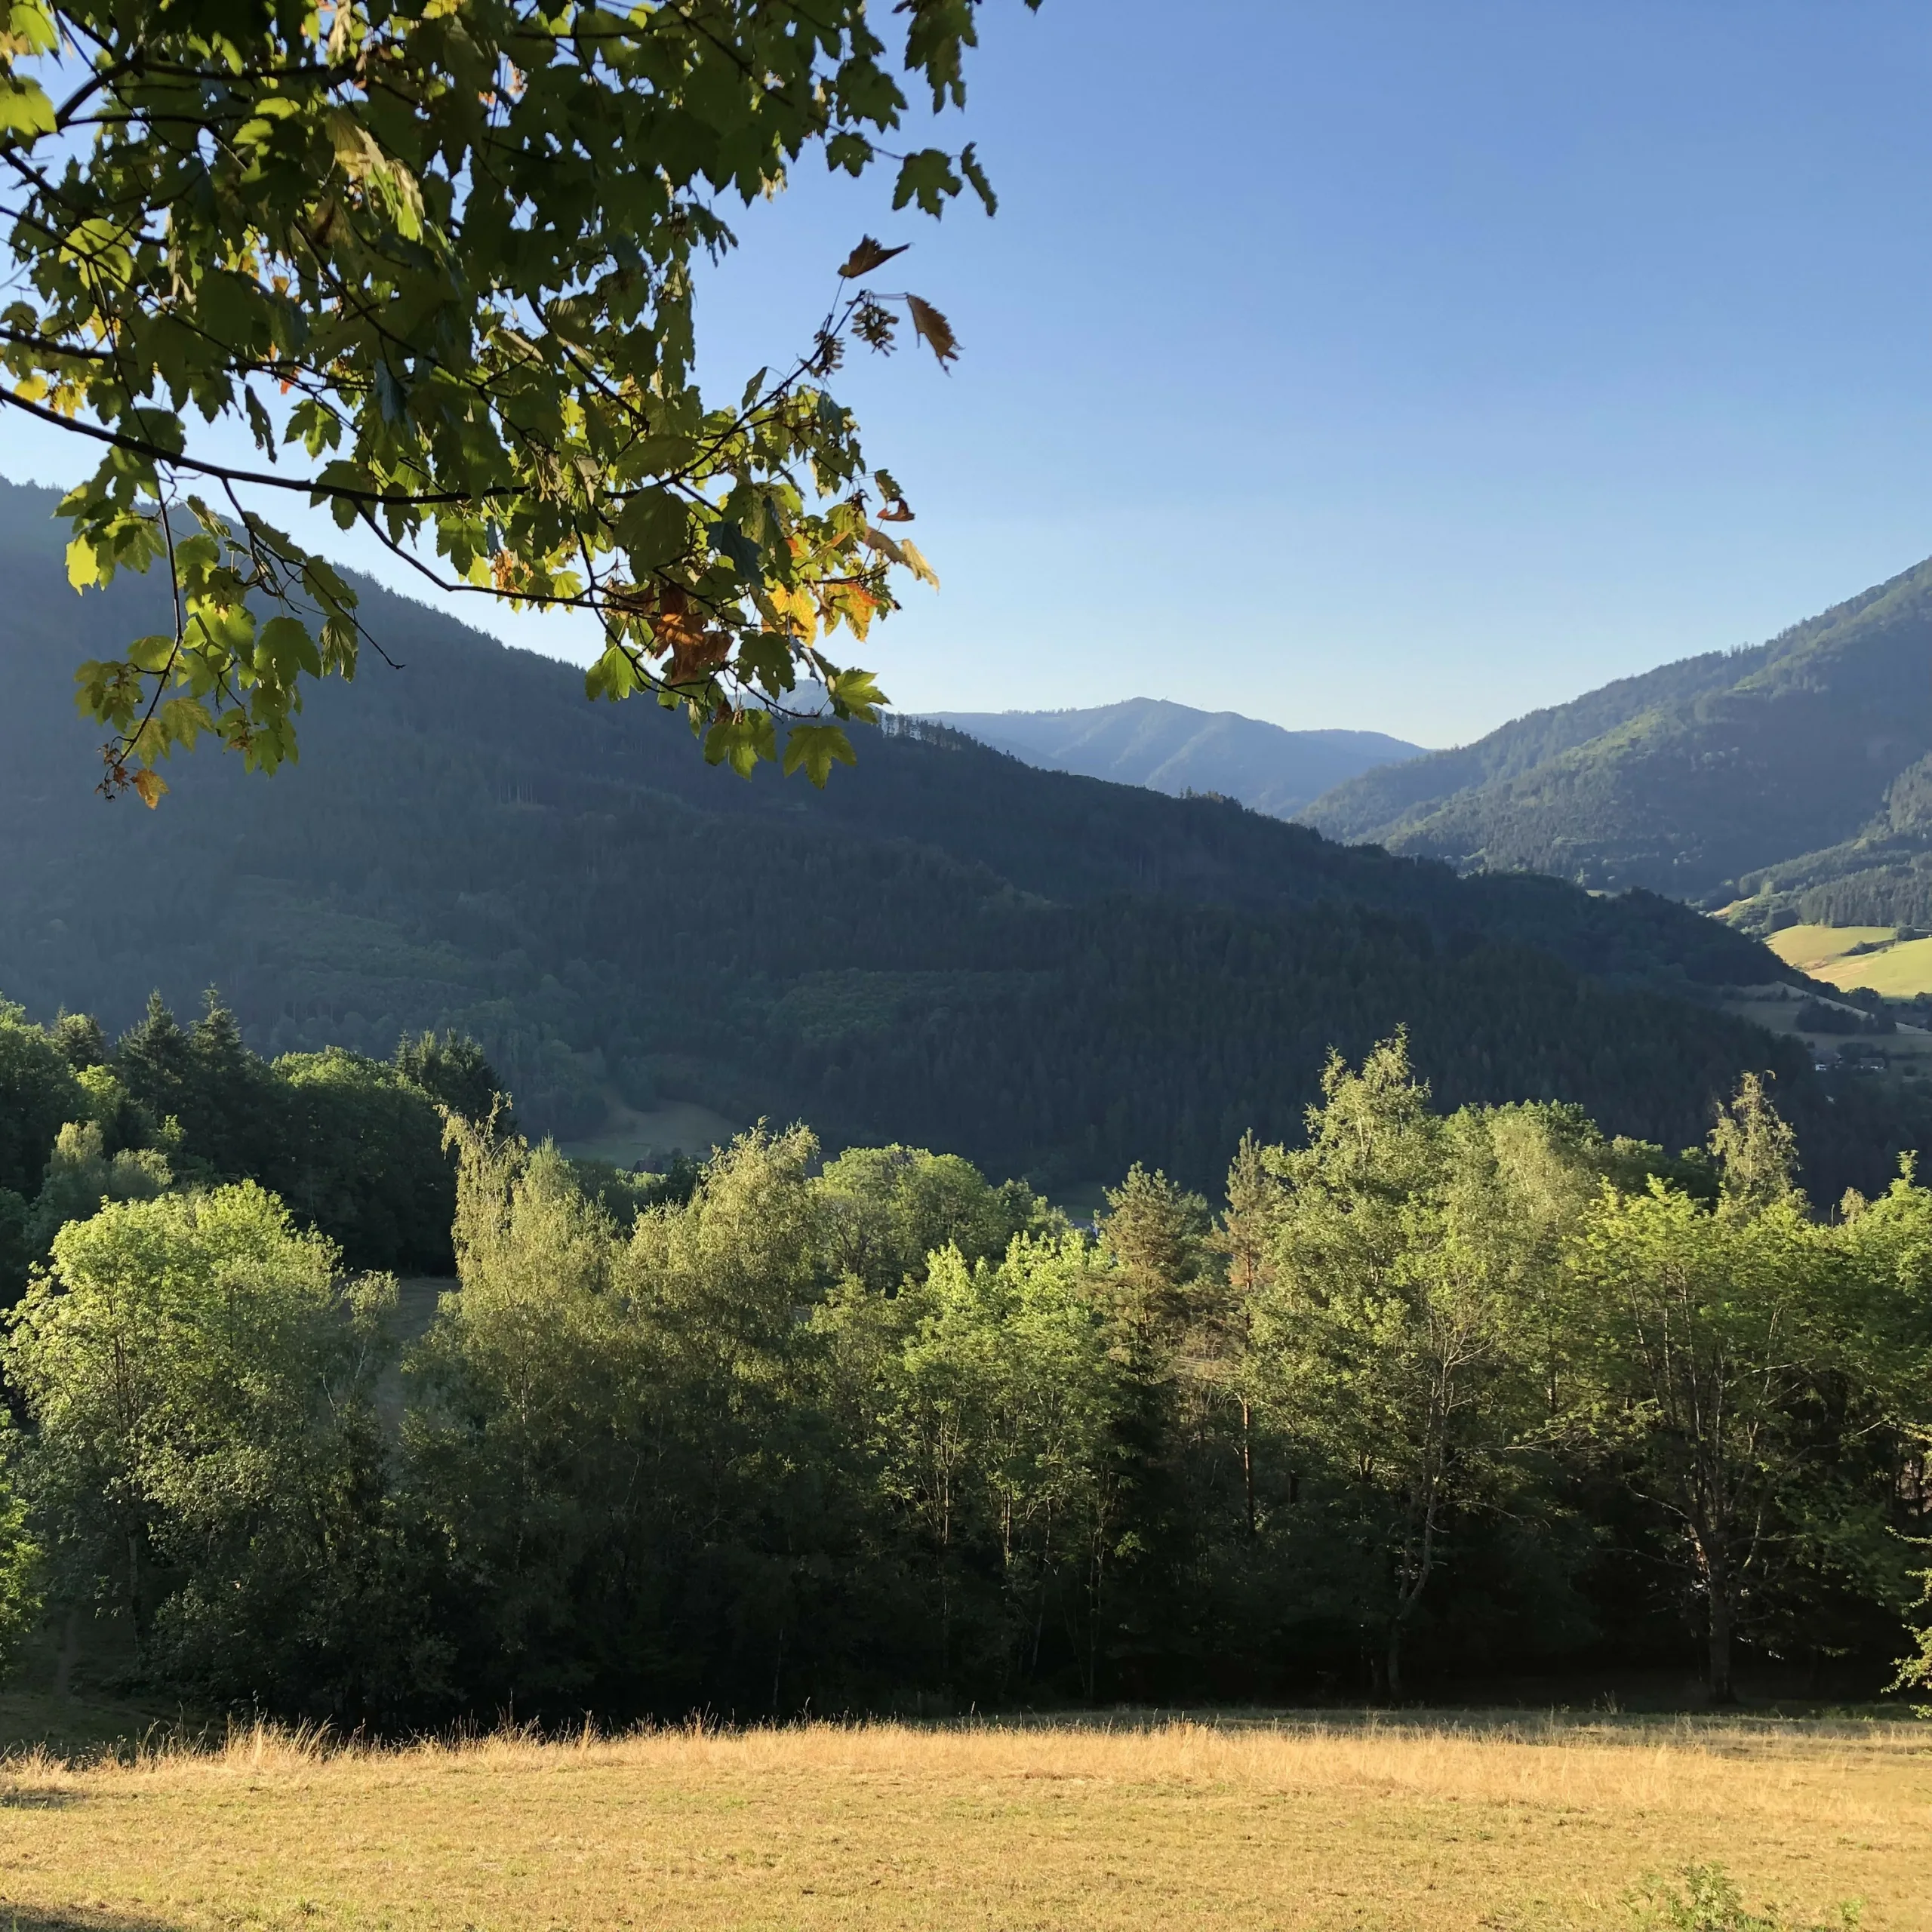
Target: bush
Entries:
(1707, 1900)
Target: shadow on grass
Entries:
(27, 1797)
(64, 1919)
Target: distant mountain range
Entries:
(1795, 775)
(1174, 748)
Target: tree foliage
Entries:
(200, 1381)
(353, 1145)
(438, 263)
(1436, 1396)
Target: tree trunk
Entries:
(70, 1651)
(1247, 1467)
(1719, 1669)
(1392, 1663)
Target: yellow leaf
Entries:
(908, 553)
(150, 784)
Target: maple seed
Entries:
(867, 256)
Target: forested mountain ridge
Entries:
(1686, 780)
(1175, 749)
(1052, 975)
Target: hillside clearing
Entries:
(1485, 1821)
(1851, 956)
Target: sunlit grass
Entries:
(1237, 1823)
(1898, 968)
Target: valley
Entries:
(1053, 975)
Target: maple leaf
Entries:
(692, 657)
(150, 784)
(674, 624)
(928, 323)
(868, 256)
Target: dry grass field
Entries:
(1237, 1824)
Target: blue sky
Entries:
(1399, 366)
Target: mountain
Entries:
(1774, 768)
(1174, 748)
(1051, 974)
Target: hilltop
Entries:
(1053, 975)
(1774, 769)
(1174, 748)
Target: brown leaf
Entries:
(692, 658)
(674, 625)
(150, 784)
(928, 322)
(898, 511)
(868, 255)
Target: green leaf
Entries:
(613, 676)
(969, 166)
(740, 739)
(25, 109)
(926, 176)
(391, 397)
(817, 748)
(856, 694)
(654, 530)
(731, 542)
(286, 644)
(152, 654)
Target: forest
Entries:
(1425, 1398)
(1765, 769)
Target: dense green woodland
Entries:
(353, 1145)
(1052, 976)
(1432, 1398)
(1794, 771)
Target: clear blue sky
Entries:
(1402, 366)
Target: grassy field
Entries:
(1481, 1824)
(1896, 968)
(678, 1126)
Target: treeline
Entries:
(1430, 1396)
(353, 1145)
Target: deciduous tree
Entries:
(436, 260)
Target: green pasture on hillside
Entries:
(1897, 967)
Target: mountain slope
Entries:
(1174, 748)
(1051, 974)
(1689, 779)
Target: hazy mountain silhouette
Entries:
(1174, 748)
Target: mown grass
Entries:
(1898, 968)
(1238, 1823)
(1808, 947)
